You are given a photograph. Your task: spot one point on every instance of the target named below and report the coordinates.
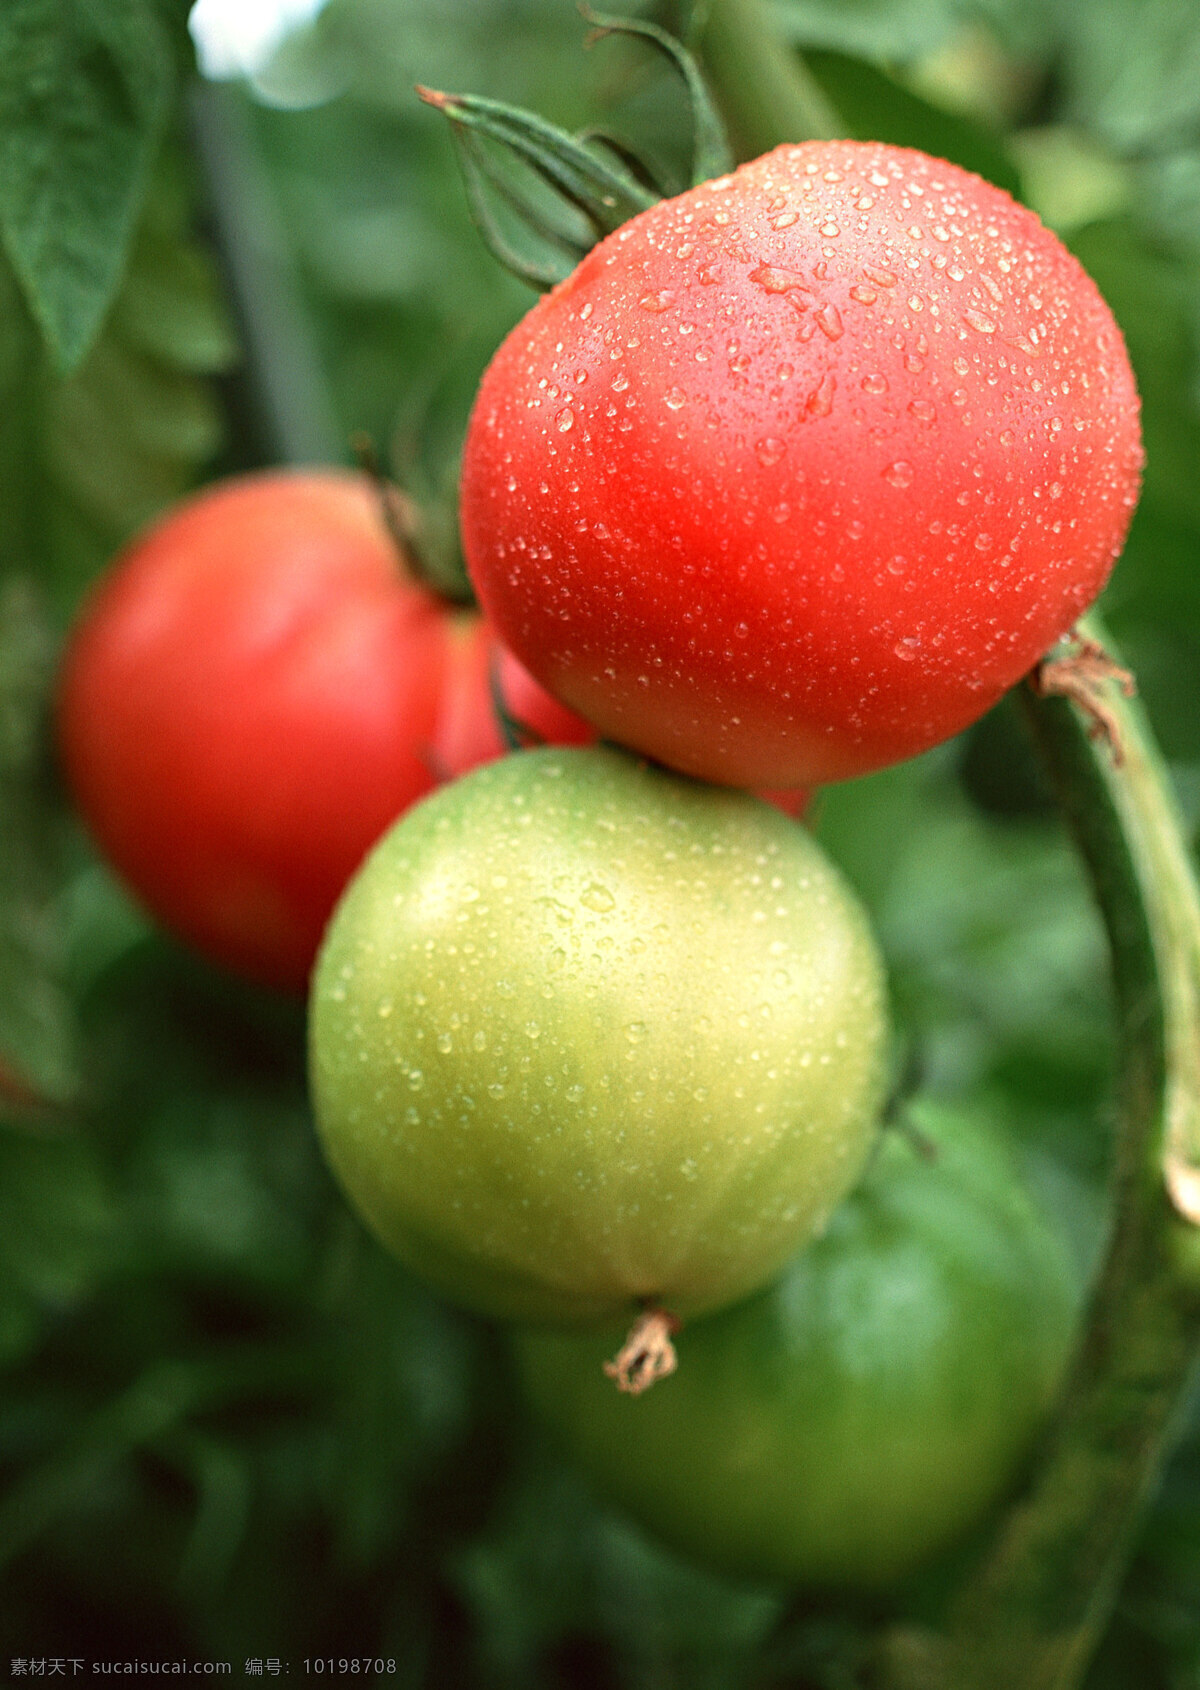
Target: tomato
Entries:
(866, 1410)
(254, 692)
(796, 473)
(585, 1033)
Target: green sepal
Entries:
(711, 152)
(601, 191)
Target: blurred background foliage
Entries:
(228, 1425)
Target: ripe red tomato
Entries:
(254, 692)
(799, 471)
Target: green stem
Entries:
(1029, 1615)
(765, 93)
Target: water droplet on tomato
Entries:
(922, 410)
(769, 451)
(675, 399)
(830, 322)
(864, 295)
(875, 382)
(656, 301)
(899, 474)
(598, 898)
(784, 220)
(907, 648)
(565, 420)
(977, 321)
(820, 401)
(773, 279)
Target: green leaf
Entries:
(37, 1066)
(83, 99)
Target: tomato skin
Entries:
(252, 694)
(584, 1032)
(856, 1418)
(798, 472)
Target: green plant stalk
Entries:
(1030, 1613)
(762, 87)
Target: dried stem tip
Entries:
(647, 1354)
(1082, 676)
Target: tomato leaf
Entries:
(37, 1058)
(83, 100)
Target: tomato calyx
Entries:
(647, 1355)
(509, 157)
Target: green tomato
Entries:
(585, 1034)
(843, 1426)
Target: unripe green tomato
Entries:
(843, 1426)
(586, 1033)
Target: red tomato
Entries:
(254, 693)
(798, 472)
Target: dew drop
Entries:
(565, 420)
(656, 301)
(922, 410)
(977, 321)
(899, 474)
(769, 451)
(784, 220)
(773, 279)
(820, 401)
(863, 294)
(875, 382)
(675, 399)
(907, 648)
(597, 897)
(830, 322)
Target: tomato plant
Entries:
(847, 1423)
(254, 692)
(799, 471)
(586, 1034)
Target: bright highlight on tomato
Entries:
(254, 692)
(799, 471)
(856, 1418)
(586, 1033)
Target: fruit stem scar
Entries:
(647, 1354)
(1082, 675)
